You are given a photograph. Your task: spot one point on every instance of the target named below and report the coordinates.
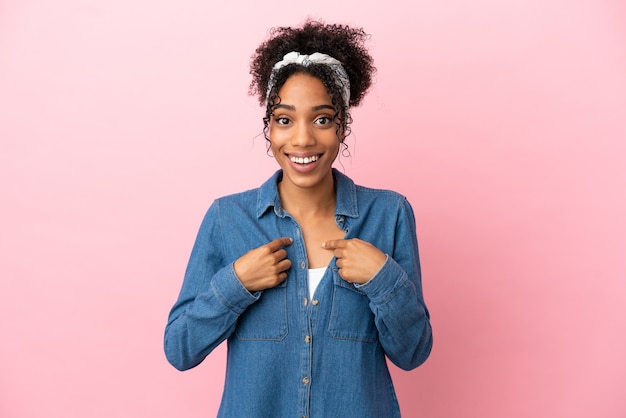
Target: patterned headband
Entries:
(341, 77)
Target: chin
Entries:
(306, 180)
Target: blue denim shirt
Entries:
(290, 355)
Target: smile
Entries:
(304, 160)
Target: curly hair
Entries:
(341, 42)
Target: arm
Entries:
(393, 284)
(396, 298)
(210, 301)
(216, 291)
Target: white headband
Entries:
(341, 76)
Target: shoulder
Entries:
(381, 199)
(369, 195)
(378, 193)
(252, 201)
(235, 205)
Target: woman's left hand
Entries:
(358, 261)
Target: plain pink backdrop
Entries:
(503, 123)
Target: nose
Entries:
(303, 136)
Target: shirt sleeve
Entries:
(397, 300)
(210, 301)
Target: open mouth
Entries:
(304, 160)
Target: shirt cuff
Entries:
(231, 292)
(385, 282)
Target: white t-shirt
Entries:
(315, 277)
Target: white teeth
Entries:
(305, 160)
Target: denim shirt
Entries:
(290, 355)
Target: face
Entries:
(303, 133)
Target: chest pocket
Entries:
(266, 319)
(350, 317)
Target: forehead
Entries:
(303, 87)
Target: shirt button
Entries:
(315, 302)
(305, 301)
(307, 339)
(303, 265)
(305, 380)
(340, 220)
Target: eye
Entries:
(323, 120)
(282, 120)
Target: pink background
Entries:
(503, 122)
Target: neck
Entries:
(308, 202)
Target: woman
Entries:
(312, 279)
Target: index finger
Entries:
(278, 243)
(333, 244)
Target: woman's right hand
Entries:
(264, 267)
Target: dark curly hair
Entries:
(341, 42)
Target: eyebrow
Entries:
(314, 108)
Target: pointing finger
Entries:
(278, 243)
(333, 244)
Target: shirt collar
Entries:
(346, 195)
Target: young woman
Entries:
(312, 279)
